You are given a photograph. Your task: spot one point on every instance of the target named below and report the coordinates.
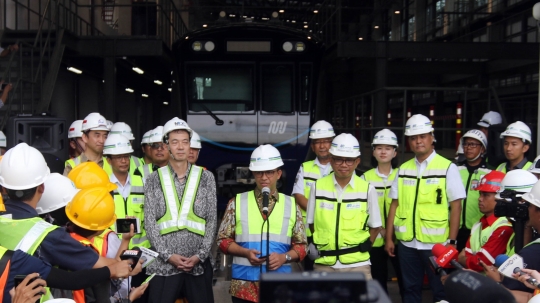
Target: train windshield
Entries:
(277, 88)
(220, 87)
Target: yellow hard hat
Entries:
(92, 209)
(89, 175)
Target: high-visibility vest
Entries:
(341, 224)
(24, 234)
(502, 166)
(76, 161)
(383, 189)
(134, 163)
(5, 264)
(423, 207)
(480, 236)
(144, 171)
(78, 295)
(132, 206)
(510, 248)
(312, 173)
(101, 242)
(180, 215)
(470, 213)
(249, 222)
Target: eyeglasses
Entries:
(268, 173)
(157, 145)
(322, 142)
(473, 145)
(340, 161)
(121, 157)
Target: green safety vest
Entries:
(134, 163)
(132, 206)
(480, 236)
(502, 166)
(5, 264)
(470, 213)
(180, 215)
(383, 189)
(341, 223)
(76, 161)
(423, 207)
(145, 171)
(312, 173)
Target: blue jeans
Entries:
(414, 263)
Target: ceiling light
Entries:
(294, 21)
(158, 82)
(187, 37)
(74, 70)
(222, 14)
(204, 25)
(305, 26)
(275, 15)
(170, 89)
(129, 90)
(309, 38)
(232, 15)
(360, 38)
(315, 11)
(138, 70)
(397, 12)
(165, 103)
(376, 27)
(265, 18)
(281, 11)
(145, 95)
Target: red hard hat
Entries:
(491, 182)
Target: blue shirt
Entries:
(58, 247)
(24, 264)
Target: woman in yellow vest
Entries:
(381, 177)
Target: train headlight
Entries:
(209, 46)
(287, 46)
(300, 46)
(197, 46)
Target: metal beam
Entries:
(438, 50)
(118, 46)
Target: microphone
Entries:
(266, 195)
(435, 266)
(499, 260)
(531, 280)
(465, 286)
(131, 254)
(446, 256)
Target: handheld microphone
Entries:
(266, 196)
(446, 256)
(435, 266)
(531, 280)
(133, 255)
(499, 260)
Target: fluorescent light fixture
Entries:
(360, 38)
(205, 25)
(294, 21)
(158, 82)
(170, 89)
(397, 12)
(165, 103)
(305, 26)
(145, 95)
(376, 27)
(281, 11)
(74, 70)
(315, 11)
(138, 70)
(129, 90)
(265, 18)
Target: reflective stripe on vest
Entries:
(101, 242)
(502, 166)
(77, 160)
(249, 222)
(312, 173)
(423, 207)
(24, 234)
(341, 223)
(470, 213)
(5, 264)
(145, 171)
(480, 236)
(175, 220)
(383, 189)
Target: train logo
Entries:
(277, 127)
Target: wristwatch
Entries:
(452, 241)
(288, 258)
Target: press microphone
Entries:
(446, 255)
(531, 280)
(437, 269)
(266, 196)
(132, 254)
(465, 286)
(499, 260)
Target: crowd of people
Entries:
(60, 231)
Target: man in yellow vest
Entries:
(157, 152)
(343, 213)
(321, 134)
(76, 143)
(426, 188)
(180, 220)
(490, 235)
(145, 147)
(122, 128)
(517, 141)
(240, 231)
(95, 131)
(474, 144)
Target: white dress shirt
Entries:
(124, 190)
(299, 182)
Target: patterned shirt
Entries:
(182, 242)
(248, 290)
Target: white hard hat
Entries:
(533, 196)
(518, 180)
(123, 129)
(345, 145)
(535, 299)
(61, 300)
(175, 124)
(110, 124)
(23, 167)
(475, 134)
(75, 129)
(117, 145)
(3, 139)
(418, 124)
(535, 167)
(321, 129)
(94, 121)
(146, 136)
(156, 136)
(265, 157)
(490, 118)
(518, 129)
(385, 136)
(460, 157)
(195, 141)
(59, 191)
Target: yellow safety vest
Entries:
(383, 189)
(480, 236)
(180, 215)
(502, 166)
(470, 213)
(144, 171)
(134, 163)
(423, 207)
(76, 161)
(312, 173)
(340, 224)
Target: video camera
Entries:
(511, 206)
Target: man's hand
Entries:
(128, 236)
(175, 260)
(276, 260)
(138, 268)
(188, 263)
(529, 273)
(389, 247)
(491, 272)
(28, 292)
(251, 255)
(120, 269)
(462, 257)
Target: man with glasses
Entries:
(157, 151)
(243, 230)
(180, 213)
(321, 134)
(474, 167)
(343, 213)
(426, 188)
